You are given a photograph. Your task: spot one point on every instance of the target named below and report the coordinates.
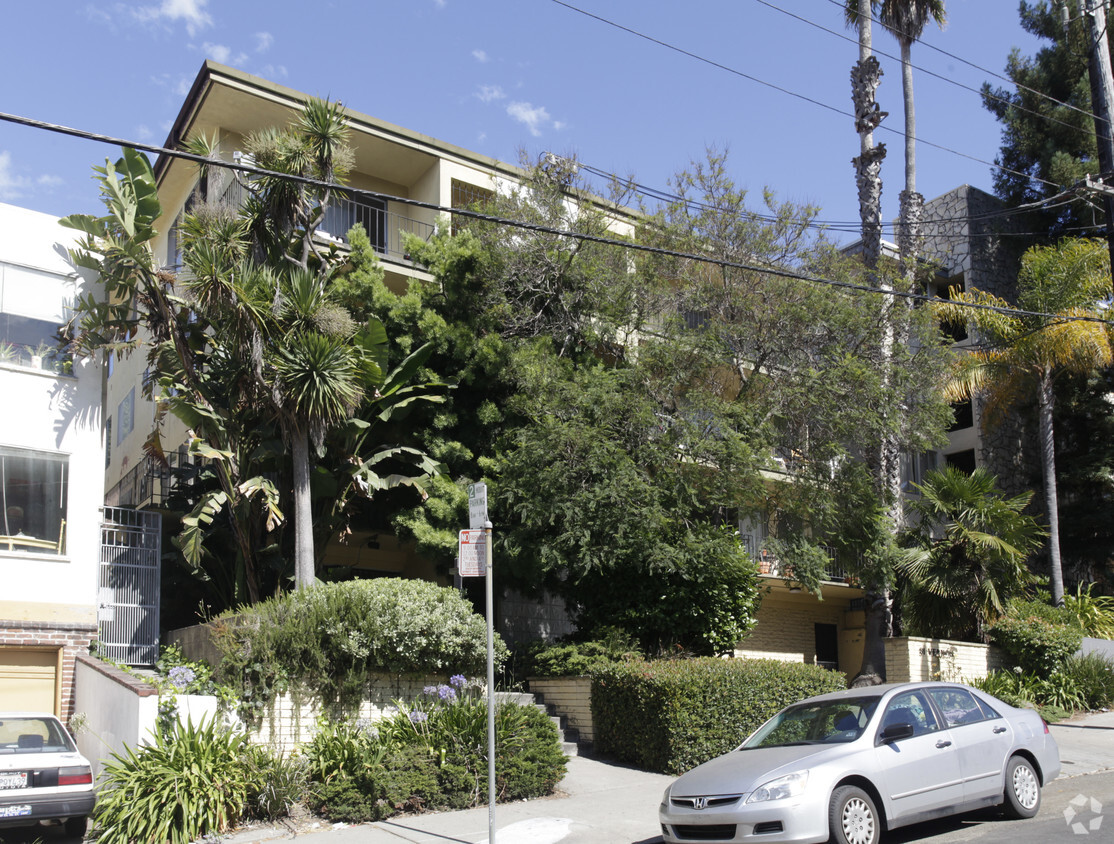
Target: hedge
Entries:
(671, 715)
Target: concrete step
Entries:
(567, 736)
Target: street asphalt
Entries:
(600, 802)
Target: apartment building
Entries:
(51, 469)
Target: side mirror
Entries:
(895, 732)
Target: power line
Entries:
(536, 228)
(989, 72)
(928, 72)
(755, 79)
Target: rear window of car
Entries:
(960, 707)
(33, 735)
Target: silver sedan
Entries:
(846, 766)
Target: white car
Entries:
(849, 765)
(42, 776)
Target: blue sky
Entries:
(500, 76)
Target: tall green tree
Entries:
(1022, 355)
(966, 555)
(1048, 136)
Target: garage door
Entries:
(29, 679)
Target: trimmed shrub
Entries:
(579, 658)
(332, 637)
(671, 715)
(432, 754)
(1037, 637)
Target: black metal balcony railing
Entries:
(770, 566)
(149, 484)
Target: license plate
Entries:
(16, 780)
(14, 811)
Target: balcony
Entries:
(770, 566)
(149, 484)
(384, 228)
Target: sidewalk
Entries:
(598, 802)
(601, 802)
(1086, 743)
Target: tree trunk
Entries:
(911, 208)
(304, 567)
(865, 77)
(1048, 466)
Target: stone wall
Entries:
(570, 697)
(916, 659)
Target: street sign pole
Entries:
(477, 520)
(490, 690)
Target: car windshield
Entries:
(33, 735)
(817, 722)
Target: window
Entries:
(958, 706)
(962, 460)
(911, 708)
(32, 501)
(964, 416)
(125, 417)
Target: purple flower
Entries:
(181, 676)
(446, 692)
(429, 690)
(417, 716)
(458, 680)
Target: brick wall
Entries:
(785, 629)
(913, 659)
(291, 719)
(570, 697)
(69, 638)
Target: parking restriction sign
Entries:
(472, 554)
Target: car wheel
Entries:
(853, 818)
(1023, 789)
(75, 827)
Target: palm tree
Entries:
(1059, 288)
(905, 20)
(968, 553)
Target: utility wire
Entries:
(995, 74)
(931, 73)
(519, 224)
(790, 93)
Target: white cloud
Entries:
(480, 56)
(533, 118)
(143, 132)
(263, 41)
(273, 71)
(490, 93)
(50, 181)
(11, 186)
(190, 12)
(440, 4)
(221, 53)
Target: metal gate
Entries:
(128, 598)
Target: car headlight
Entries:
(790, 785)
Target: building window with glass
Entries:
(33, 501)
